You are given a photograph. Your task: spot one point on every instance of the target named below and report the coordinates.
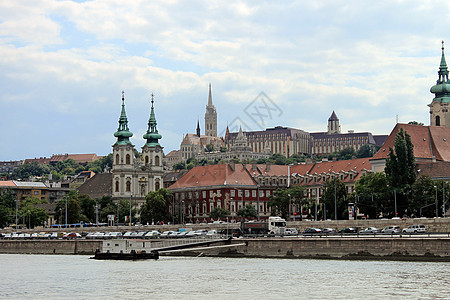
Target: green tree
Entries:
(32, 213)
(372, 195)
(87, 206)
(335, 195)
(415, 123)
(425, 192)
(7, 207)
(209, 148)
(154, 208)
(74, 214)
(101, 165)
(248, 212)
(281, 198)
(278, 159)
(179, 166)
(25, 171)
(400, 169)
(367, 151)
(219, 213)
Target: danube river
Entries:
(78, 277)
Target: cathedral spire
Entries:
(198, 128)
(152, 136)
(210, 96)
(443, 70)
(123, 133)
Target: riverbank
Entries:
(383, 248)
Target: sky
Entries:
(64, 65)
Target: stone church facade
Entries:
(133, 178)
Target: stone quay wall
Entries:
(422, 249)
(50, 246)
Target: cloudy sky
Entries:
(270, 63)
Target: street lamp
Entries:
(131, 196)
(17, 204)
(257, 200)
(29, 219)
(395, 202)
(66, 211)
(436, 201)
(96, 213)
(335, 201)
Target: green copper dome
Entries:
(152, 136)
(123, 133)
(442, 87)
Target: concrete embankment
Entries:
(421, 249)
(373, 248)
(50, 246)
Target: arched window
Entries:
(117, 186)
(156, 160)
(127, 159)
(146, 160)
(117, 159)
(156, 186)
(128, 188)
(438, 121)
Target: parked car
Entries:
(72, 235)
(114, 235)
(348, 230)
(391, 229)
(212, 232)
(152, 234)
(329, 230)
(415, 229)
(201, 232)
(312, 231)
(168, 234)
(290, 231)
(370, 230)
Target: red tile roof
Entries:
(428, 141)
(8, 183)
(214, 175)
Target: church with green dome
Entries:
(439, 115)
(136, 174)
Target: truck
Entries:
(274, 226)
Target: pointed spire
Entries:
(210, 96)
(198, 127)
(123, 133)
(152, 136)
(442, 87)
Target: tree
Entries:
(7, 207)
(425, 192)
(219, 213)
(209, 148)
(26, 171)
(31, 212)
(87, 206)
(101, 165)
(415, 123)
(400, 169)
(367, 150)
(372, 195)
(247, 212)
(154, 208)
(335, 196)
(281, 199)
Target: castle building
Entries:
(282, 140)
(439, 115)
(133, 178)
(333, 140)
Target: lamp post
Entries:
(257, 200)
(436, 202)
(131, 196)
(96, 213)
(66, 211)
(335, 201)
(395, 202)
(17, 204)
(118, 212)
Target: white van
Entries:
(415, 229)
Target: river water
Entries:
(78, 277)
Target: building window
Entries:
(127, 159)
(438, 121)
(146, 160)
(253, 193)
(156, 160)
(157, 186)
(117, 186)
(204, 194)
(247, 193)
(232, 193)
(117, 159)
(128, 188)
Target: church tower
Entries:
(152, 156)
(123, 155)
(439, 115)
(210, 117)
(333, 124)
